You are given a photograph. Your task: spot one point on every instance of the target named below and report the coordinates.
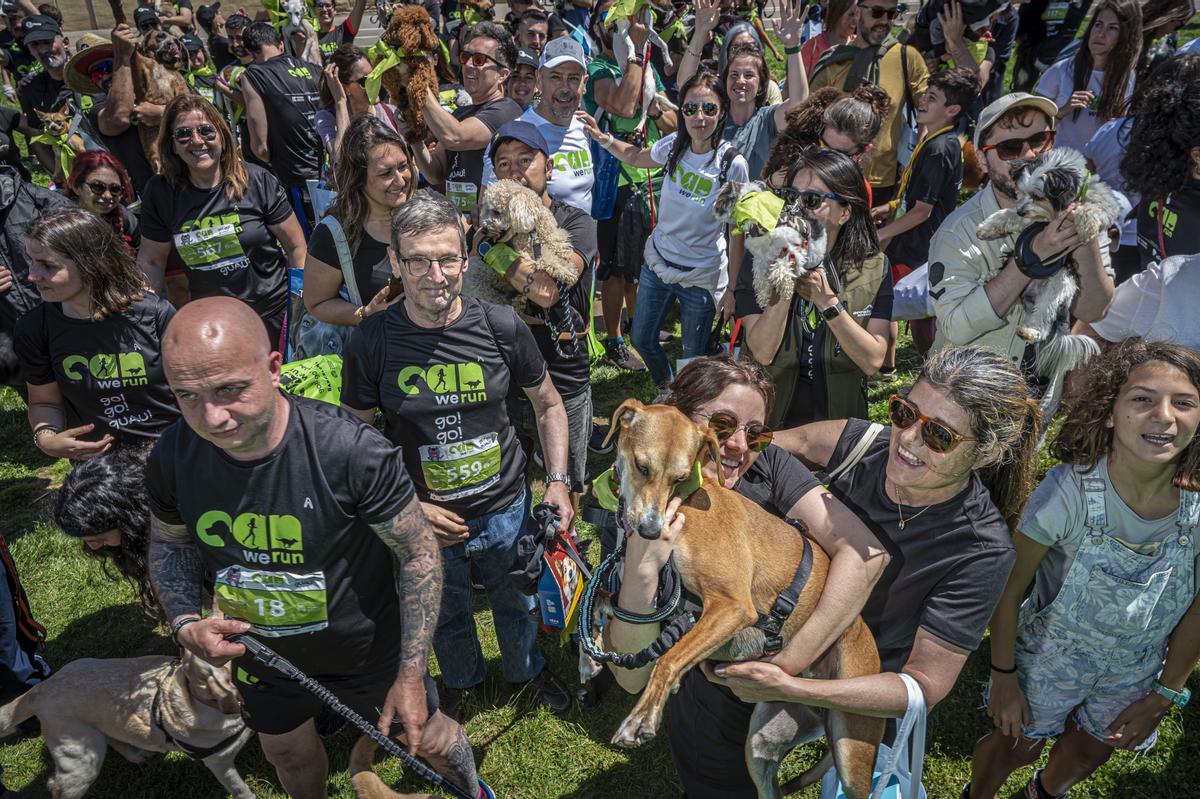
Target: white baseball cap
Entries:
(560, 51)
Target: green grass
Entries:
(522, 751)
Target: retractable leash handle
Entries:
(269, 658)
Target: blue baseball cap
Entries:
(518, 130)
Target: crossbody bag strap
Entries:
(344, 258)
(860, 449)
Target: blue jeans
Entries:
(696, 314)
(493, 547)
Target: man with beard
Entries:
(899, 69)
(44, 90)
(975, 284)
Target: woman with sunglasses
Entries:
(1104, 644)
(685, 256)
(940, 490)
(733, 398)
(821, 343)
(229, 223)
(344, 97)
(101, 185)
(1096, 84)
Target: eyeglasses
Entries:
(853, 155)
(184, 135)
(810, 199)
(691, 109)
(99, 188)
(361, 81)
(939, 437)
(1012, 149)
(419, 266)
(476, 59)
(726, 425)
(878, 12)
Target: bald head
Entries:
(216, 326)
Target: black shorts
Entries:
(621, 239)
(274, 705)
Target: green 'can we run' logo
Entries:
(109, 370)
(263, 539)
(450, 383)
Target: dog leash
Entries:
(269, 658)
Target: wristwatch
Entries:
(558, 477)
(636, 59)
(833, 311)
(1176, 698)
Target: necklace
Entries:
(900, 510)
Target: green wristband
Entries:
(500, 257)
(791, 50)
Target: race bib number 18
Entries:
(275, 603)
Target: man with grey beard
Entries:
(45, 90)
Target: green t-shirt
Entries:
(602, 67)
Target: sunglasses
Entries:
(1012, 149)
(853, 155)
(726, 425)
(710, 109)
(99, 188)
(476, 59)
(937, 436)
(878, 12)
(184, 135)
(323, 5)
(810, 199)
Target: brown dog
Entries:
(411, 31)
(366, 782)
(157, 79)
(56, 123)
(737, 558)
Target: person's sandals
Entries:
(551, 691)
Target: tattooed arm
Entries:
(178, 576)
(419, 581)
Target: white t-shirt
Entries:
(1105, 150)
(1158, 304)
(687, 233)
(1057, 83)
(1056, 516)
(571, 150)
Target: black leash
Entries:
(269, 658)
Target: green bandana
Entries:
(384, 57)
(605, 487)
(762, 207)
(205, 71)
(66, 156)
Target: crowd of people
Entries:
(163, 299)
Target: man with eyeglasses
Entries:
(329, 36)
(440, 366)
(488, 57)
(975, 284)
(897, 68)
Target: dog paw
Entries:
(636, 730)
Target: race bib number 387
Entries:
(216, 247)
(275, 603)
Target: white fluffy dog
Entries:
(512, 214)
(297, 24)
(795, 245)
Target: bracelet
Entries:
(999, 670)
(37, 434)
(359, 312)
(607, 144)
(179, 625)
(1028, 262)
(791, 50)
(636, 59)
(695, 55)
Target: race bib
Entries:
(276, 604)
(463, 195)
(461, 469)
(212, 248)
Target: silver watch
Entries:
(558, 477)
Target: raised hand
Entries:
(790, 28)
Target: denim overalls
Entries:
(1097, 647)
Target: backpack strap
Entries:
(727, 157)
(856, 454)
(345, 259)
(504, 346)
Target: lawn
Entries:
(522, 751)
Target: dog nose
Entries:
(649, 525)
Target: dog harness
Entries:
(194, 752)
(771, 622)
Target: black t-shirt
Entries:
(334, 38)
(126, 147)
(10, 119)
(1180, 225)
(570, 375)
(936, 179)
(295, 520)
(109, 372)
(464, 168)
(218, 50)
(288, 88)
(948, 565)
(41, 92)
(225, 245)
(442, 393)
(20, 62)
(372, 267)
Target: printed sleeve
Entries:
(32, 348)
(156, 222)
(361, 368)
(790, 479)
(959, 608)
(379, 481)
(1135, 306)
(881, 308)
(160, 480)
(272, 199)
(662, 148)
(1054, 512)
(601, 70)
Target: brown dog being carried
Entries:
(739, 559)
(157, 78)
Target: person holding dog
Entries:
(939, 489)
(306, 521)
(440, 366)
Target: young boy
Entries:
(929, 186)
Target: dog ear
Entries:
(1060, 187)
(622, 417)
(710, 450)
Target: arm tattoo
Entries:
(418, 581)
(175, 568)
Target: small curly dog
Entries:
(411, 31)
(512, 214)
(795, 245)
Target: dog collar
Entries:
(194, 752)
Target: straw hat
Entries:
(92, 50)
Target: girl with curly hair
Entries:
(1162, 161)
(1103, 645)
